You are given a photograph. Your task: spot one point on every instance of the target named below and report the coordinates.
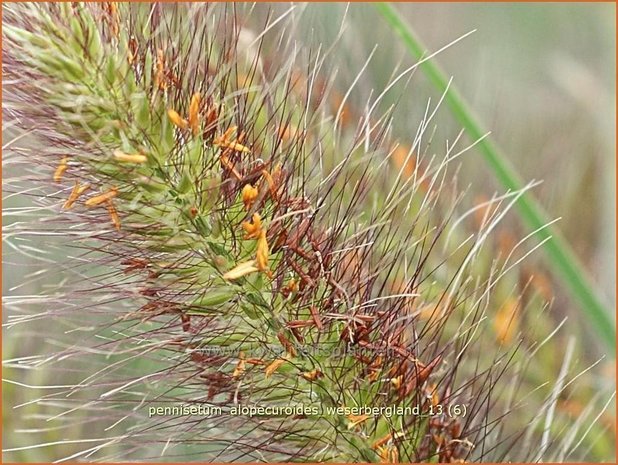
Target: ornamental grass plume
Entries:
(231, 239)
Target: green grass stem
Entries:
(562, 259)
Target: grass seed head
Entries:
(266, 254)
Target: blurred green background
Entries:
(541, 77)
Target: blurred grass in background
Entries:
(541, 77)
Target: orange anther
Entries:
(241, 270)
(177, 120)
(62, 167)
(130, 157)
(274, 366)
(254, 227)
(194, 109)
(75, 193)
(240, 366)
(262, 252)
(312, 375)
(249, 194)
(101, 198)
(113, 214)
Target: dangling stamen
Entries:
(177, 120)
(240, 366)
(194, 109)
(274, 366)
(355, 420)
(249, 194)
(254, 227)
(62, 167)
(113, 214)
(130, 157)
(241, 270)
(312, 375)
(224, 141)
(101, 198)
(262, 252)
(74, 195)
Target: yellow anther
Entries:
(101, 198)
(274, 366)
(62, 167)
(262, 252)
(312, 375)
(272, 179)
(237, 147)
(130, 157)
(388, 454)
(241, 270)
(249, 194)
(226, 135)
(78, 190)
(177, 120)
(292, 286)
(396, 382)
(224, 141)
(356, 420)
(113, 214)
(194, 109)
(269, 180)
(240, 366)
(383, 440)
(253, 227)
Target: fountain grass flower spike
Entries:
(241, 253)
